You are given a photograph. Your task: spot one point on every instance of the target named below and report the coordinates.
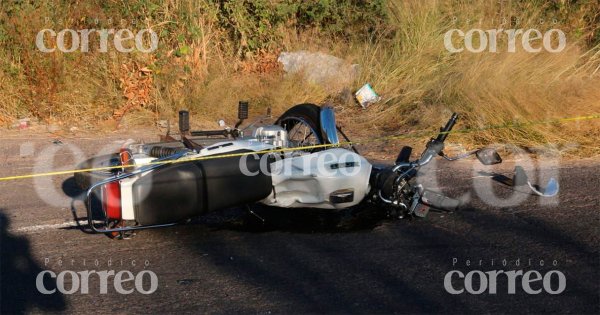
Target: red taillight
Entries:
(111, 200)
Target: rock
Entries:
(319, 68)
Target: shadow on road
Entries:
(18, 291)
(72, 190)
(378, 266)
(401, 266)
(260, 218)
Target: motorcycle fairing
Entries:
(319, 180)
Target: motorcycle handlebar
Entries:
(435, 146)
(444, 131)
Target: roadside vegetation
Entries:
(213, 53)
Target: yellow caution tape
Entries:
(416, 134)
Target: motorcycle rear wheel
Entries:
(85, 180)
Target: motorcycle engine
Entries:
(273, 134)
(396, 189)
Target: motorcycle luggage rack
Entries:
(186, 132)
(90, 216)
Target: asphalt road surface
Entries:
(228, 262)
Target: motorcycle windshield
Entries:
(328, 125)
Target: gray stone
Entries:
(319, 68)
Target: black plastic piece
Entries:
(520, 177)
(184, 121)
(404, 155)
(242, 113)
(342, 196)
(243, 110)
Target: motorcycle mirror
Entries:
(404, 155)
(550, 191)
(488, 156)
(520, 179)
(328, 125)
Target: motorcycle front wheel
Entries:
(303, 124)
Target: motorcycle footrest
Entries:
(439, 201)
(421, 210)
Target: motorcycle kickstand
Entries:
(256, 215)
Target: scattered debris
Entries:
(57, 142)
(366, 96)
(23, 123)
(185, 281)
(163, 123)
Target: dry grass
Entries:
(421, 83)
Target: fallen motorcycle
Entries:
(296, 162)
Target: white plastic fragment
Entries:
(366, 96)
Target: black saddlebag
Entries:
(179, 191)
